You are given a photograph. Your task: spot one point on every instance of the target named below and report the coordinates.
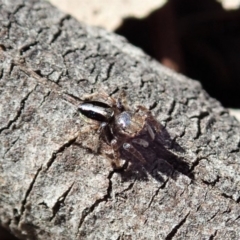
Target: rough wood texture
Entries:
(51, 188)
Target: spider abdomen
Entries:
(95, 110)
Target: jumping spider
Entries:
(118, 126)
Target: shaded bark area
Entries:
(52, 187)
(200, 40)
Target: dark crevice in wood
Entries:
(182, 134)
(28, 193)
(176, 228)
(189, 99)
(20, 6)
(64, 18)
(12, 144)
(199, 118)
(38, 72)
(41, 79)
(229, 197)
(3, 47)
(108, 73)
(89, 210)
(11, 67)
(234, 150)
(142, 84)
(60, 202)
(59, 32)
(238, 217)
(212, 183)
(156, 193)
(118, 238)
(60, 150)
(92, 56)
(214, 215)
(195, 164)
(27, 47)
(1, 73)
(114, 91)
(153, 105)
(210, 123)
(126, 189)
(19, 112)
(172, 107)
(213, 235)
(44, 98)
(199, 132)
(69, 51)
(203, 115)
(56, 36)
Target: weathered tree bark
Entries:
(51, 188)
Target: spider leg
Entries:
(87, 129)
(121, 102)
(154, 123)
(85, 141)
(101, 128)
(116, 154)
(131, 149)
(100, 131)
(141, 142)
(150, 131)
(104, 130)
(151, 122)
(73, 100)
(98, 96)
(143, 109)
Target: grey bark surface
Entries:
(51, 188)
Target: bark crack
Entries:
(27, 46)
(19, 112)
(60, 202)
(18, 8)
(44, 98)
(236, 218)
(213, 183)
(1, 73)
(153, 105)
(90, 209)
(213, 235)
(39, 78)
(229, 197)
(172, 107)
(214, 215)
(199, 132)
(60, 150)
(176, 228)
(56, 35)
(24, 201)
(108, 73)
(156, 193)
(197, 161)
(12, 144)
(130, 186)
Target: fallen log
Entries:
(54, 187)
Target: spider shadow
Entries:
(164, 158)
